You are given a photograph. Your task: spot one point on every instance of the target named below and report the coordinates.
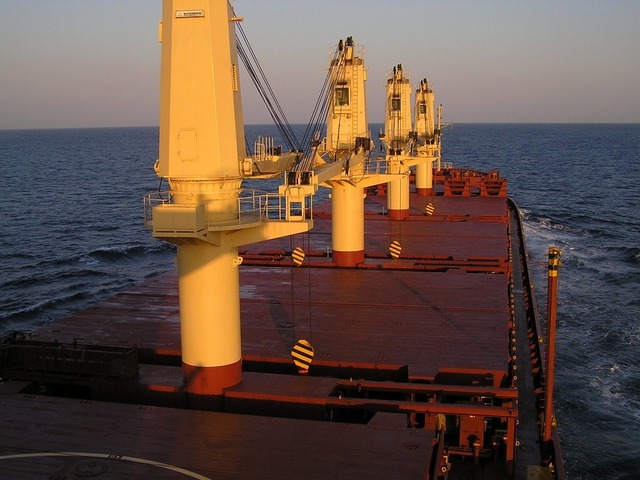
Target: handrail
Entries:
(252, 206)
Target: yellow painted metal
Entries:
(347, 217)
(424, 123)
(400, 144)
(397, 122)
(208, 281)
(395, 249)
(201, 124)
(263, 231)
(302, 355)
(201, 148)
(430, 208)
(424, 174)
(298, 256)
(201, 144)
(347, 116)
(180, 220)
(398, 193)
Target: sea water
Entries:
(71, 234)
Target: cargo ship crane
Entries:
(397, 121)
(347, 131)
(338, 161)
(428, 136)
(207, 215)
(342, 160)
(399, 141)
(406, 147)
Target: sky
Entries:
(96, 63)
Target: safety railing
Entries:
(252, 206)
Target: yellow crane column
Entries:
(425, 131)
(398, 191)
(397, 135)
(208, 280)
(348, 134)
(424, 178)
(347, 223)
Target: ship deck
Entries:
(436, 307)
(437, 315)
(49, 437)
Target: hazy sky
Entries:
(93, 63)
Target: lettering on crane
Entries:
(189, 13)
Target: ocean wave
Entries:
(28, 297)
(634, 302)
(585, 258)
(106, 228)
(58, 300)
(102, 255)
(15, 255)
(591, 218)
(617, 385)
(547, 223)
(114, 254)
(618, 278)
(583, 224)
(45, 309)
(632, 255)
(34, 279)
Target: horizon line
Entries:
(302, 123)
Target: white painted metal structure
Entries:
(429, 149)
(347, 118)
(397, 122)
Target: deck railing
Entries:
(252, 206)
